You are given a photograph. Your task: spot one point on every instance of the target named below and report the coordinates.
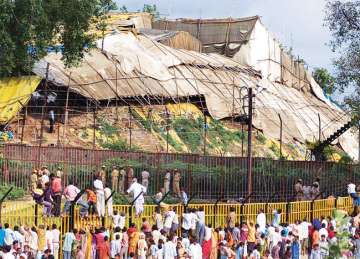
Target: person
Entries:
(261, 220)
(115, 246)
(324, 247)
(176, 183)
(115, 178)
(169, 217)
(56, 190)
(38, 195)
(170, 248)
(351, 189)
(122, 180)
(315, 190)
(102, 174)
(277, 217)
(55, 240)
(167, 181)
(183, 197)
(315, 252)
(231, 218)
(91, 200)
(34, 179)
(299, 190)
(69, 239)
(129, 177)
(200, 225)
(109, 204)
(51, 119)
(142, 247)
(138, 191)
(100, 196)
(145, 178)
(295, 247)
(124, 244)
(195, 251)
(59, 172)
(159, 196)
(70, 193)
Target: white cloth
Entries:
(9, 236)
(351, 188)
(115, 248)
(109, 204)
(122, 222)
(159, 221)
(139, 207)
(201, 217)
(324, 232)
(186, 224)
(261, 221)
(169, 250)
(169, 217)
(100, 203)
(304, 233)
(49, 240)
(136, 189)
(56, 242)
(195, 251)
(194, 219)
(99, 187)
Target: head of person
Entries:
(134, 180)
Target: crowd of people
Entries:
(173, 236)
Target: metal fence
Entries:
(208, 177)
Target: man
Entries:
(129, 177)
(70, 193)
(56, 192)
(195, 251)
(59, 172)
(102, 175)
(183, 197)
(122, 180)
(145, 178)
(138, 191)
(170, 248)
(351, 189)
(55, 240)
(34, 179)
(299, 190)
(159, 195)
(261, 221)
(100, 196)
(176, 183)
(69, 239)
(109, 204)
(115, 179)
(315, 191)
(167, 181)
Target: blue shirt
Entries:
(2, 237)
(239, 252)
(295, 250)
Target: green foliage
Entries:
(121, 162)
(106, 128)
(123, 9)
(16, 192)
(343, 20)
(325, 80)
(120, 145)
(261, 138)
(341, 245)
(29, 27)
(189, 131)
(151, 9)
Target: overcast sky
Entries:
(296, 23)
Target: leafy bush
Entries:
(120, 145)
(16, 192)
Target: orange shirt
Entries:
(315, 238)
(91, 196)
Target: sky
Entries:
(295, 23)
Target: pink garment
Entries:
(70, 192)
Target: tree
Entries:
(151, 9)
(343, 20)
(325, 80)
(123, 9)
(29, 28)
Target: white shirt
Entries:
(351, 188)
(323, 231)
(194, 219)
(34, 240)
(49, 239)
(201, 217)
(186, 224)
(98, 184)
(208, 232)
(169, 217)
(116, 219)
(9, 236)
(304, 230)
(19, 237)
(156, 236)
(136, 189)
(115, 247)
(261, 221)
(122, 220)
(107, 193)
(169, 250)
(159, 221)
(195, 251)
(55, 237)
(44, 179)
(8, 256)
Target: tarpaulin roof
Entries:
(224, 36)
(145, 68)
(14, 94)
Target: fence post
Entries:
(288, 211)
(2, 200)
(72, 209)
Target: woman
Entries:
(181, 252)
